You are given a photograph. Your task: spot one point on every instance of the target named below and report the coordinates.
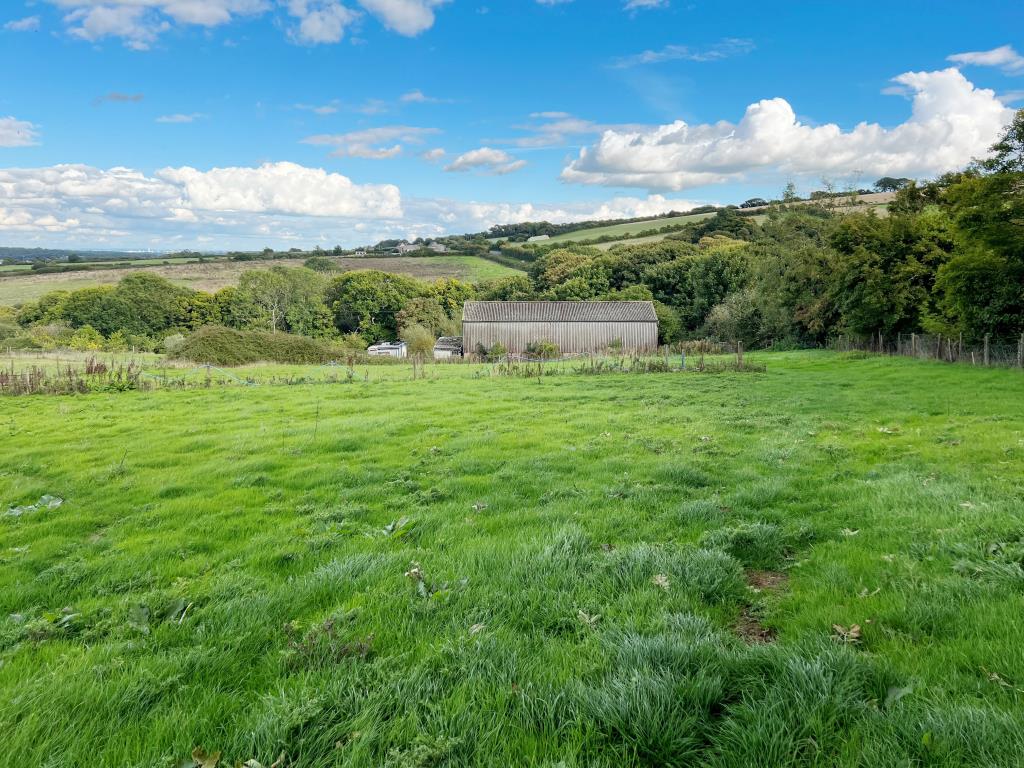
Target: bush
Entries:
(419, 339)
(546, 350)
(87, 339)
(495, 354)
(216, 345)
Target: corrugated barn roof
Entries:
(559, 312)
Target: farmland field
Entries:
(216, 274)
(816, 565)
(625, 230)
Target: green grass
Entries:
(623, 231)
(474, 570)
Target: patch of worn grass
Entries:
(463, 570)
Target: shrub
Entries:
(217, 345)
(87, 338)
(546, 350)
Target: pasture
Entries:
(816, 565)
(18, 286)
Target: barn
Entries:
(575, 326)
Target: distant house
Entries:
(539, 238)
(404, 248)
(575, 326)
(388, 349)
(438, 247)
(360, 253)
(448, 347)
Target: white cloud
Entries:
(179, 118)
(556, 130)
(283, 188)
(28, 24)
(235, 205)
(494, 161)
(434, 155)
(418, 97)
(1004, 57)
(330, 108)
(731, 46)
(951, 122)
(635, 5)
(406, 17)
(139, 23)
(17, 133)
(320, 21)
(379, 143)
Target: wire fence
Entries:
(949, 349)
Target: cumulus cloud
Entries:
(17, 133)
(406, 17)
(495, 161)
(434, 155)
(320, 21)
(28, 24)
(951, 122)
(380, 143)
(235, 203)
(321, 109)
(1004, 57)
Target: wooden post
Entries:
(1020, 352)
(899, 343)
(913, 344)
(986, 349)
(739, 355)
(938, 348)
(960, 346)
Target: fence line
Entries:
(945, 348)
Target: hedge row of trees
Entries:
(144, 309)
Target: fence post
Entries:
(913, 344)
(938, 348)
(899, 343)
(739, 355)
(1020, 352)
(986, 349)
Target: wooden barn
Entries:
(575, 326)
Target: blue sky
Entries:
(241, 123)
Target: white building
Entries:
(388, 349)
(448, 347)
(539, 238)
(404, 248)
(438, 247)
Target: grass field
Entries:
(817, 565)
(216, 274)
(623, 231)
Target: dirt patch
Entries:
(751, 630)
(767, 580)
